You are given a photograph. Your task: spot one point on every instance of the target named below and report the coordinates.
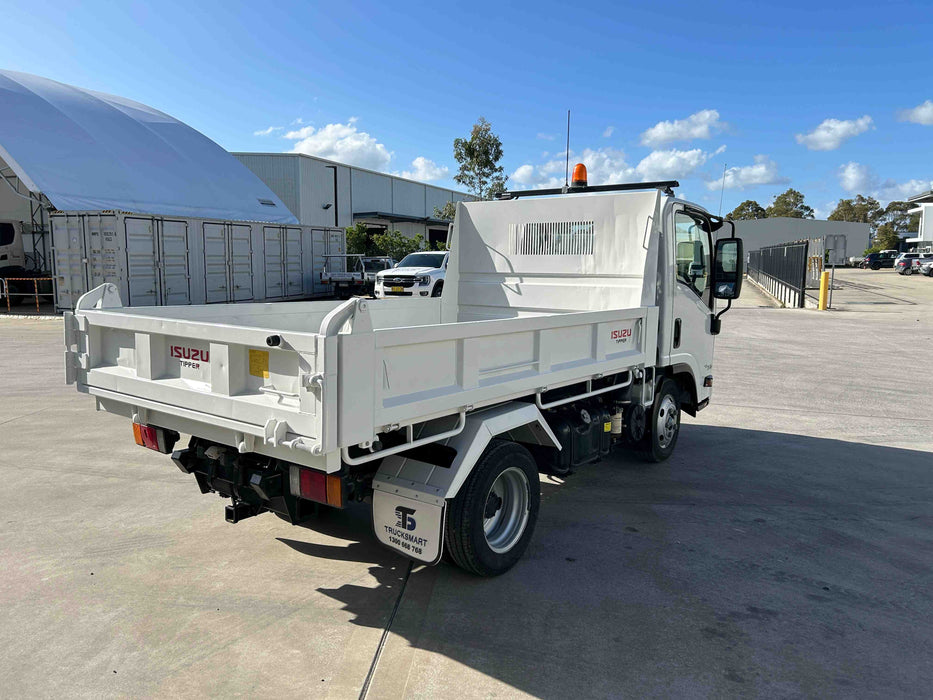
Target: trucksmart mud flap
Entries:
(410, 495)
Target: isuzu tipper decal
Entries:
(190, 357)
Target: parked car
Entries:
(876, 261)
(926, 267)
(418, 274)
(908, 263)
(359, 275)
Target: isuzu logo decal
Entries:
(189, 357)
(621, 335)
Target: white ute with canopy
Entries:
(569, 325)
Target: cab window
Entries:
(7, 233)
(692, 252)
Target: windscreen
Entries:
(422, 260)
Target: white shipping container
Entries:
(157, 261)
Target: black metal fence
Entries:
(782, 271)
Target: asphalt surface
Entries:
(785, 550)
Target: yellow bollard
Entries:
(824, 290)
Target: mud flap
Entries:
(413, 526)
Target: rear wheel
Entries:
(908, 271)
(664, 423)
(875, 266)
(491, 520)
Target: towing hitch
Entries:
(238, 511)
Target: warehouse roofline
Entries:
(467, 195)
(398, 218)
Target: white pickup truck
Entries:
(358, 275)
(570, 325)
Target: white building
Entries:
(923, 241)
(322, 192)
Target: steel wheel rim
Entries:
(506, 510)
(668, 419)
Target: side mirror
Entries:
(727, 268)
(395, 265)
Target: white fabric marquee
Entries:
(87, 151)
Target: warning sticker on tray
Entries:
(259, 363)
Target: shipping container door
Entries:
(318, 251)
(141, 263)
(215, 262)
(241, 262)
(274, 266)
(174, 263)
(293, 262)
(68, 252)
(102, 250)
(337, 243)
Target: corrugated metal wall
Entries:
(306, 184)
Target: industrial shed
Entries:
(845, 238)
(132, 196)
(324, 192)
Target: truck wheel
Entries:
(663, 423)
(490, 522)
(438, 289)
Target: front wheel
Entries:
(491, 520)
(438, 289)
(664, 423)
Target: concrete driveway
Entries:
(786, 549)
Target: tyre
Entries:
(875, 266)
(490, 522)
(908, 271)
(663, 425)
(438, 289)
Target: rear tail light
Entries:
(158, 439)
(313, 485)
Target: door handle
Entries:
(676, 332)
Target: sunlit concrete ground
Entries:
(785, 549)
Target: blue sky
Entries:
(658, 90)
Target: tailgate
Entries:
(255, 382)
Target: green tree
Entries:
(886, 237)
(396, 244)
(480, 171)
(791, 204)
(863, 210)
(359, 242)
(896, 214)
(747, 210)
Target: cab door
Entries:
(691, 342)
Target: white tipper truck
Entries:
(573, 322)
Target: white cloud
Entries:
(547, 137)
(424, 170)
(831, 133)
(763, 172)
(343, 143)
(266, 132)
(921, 114)
(856, 178)
(603, 166)
(608, 131)
(670, 164)
(297, 121)
(700, 125)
